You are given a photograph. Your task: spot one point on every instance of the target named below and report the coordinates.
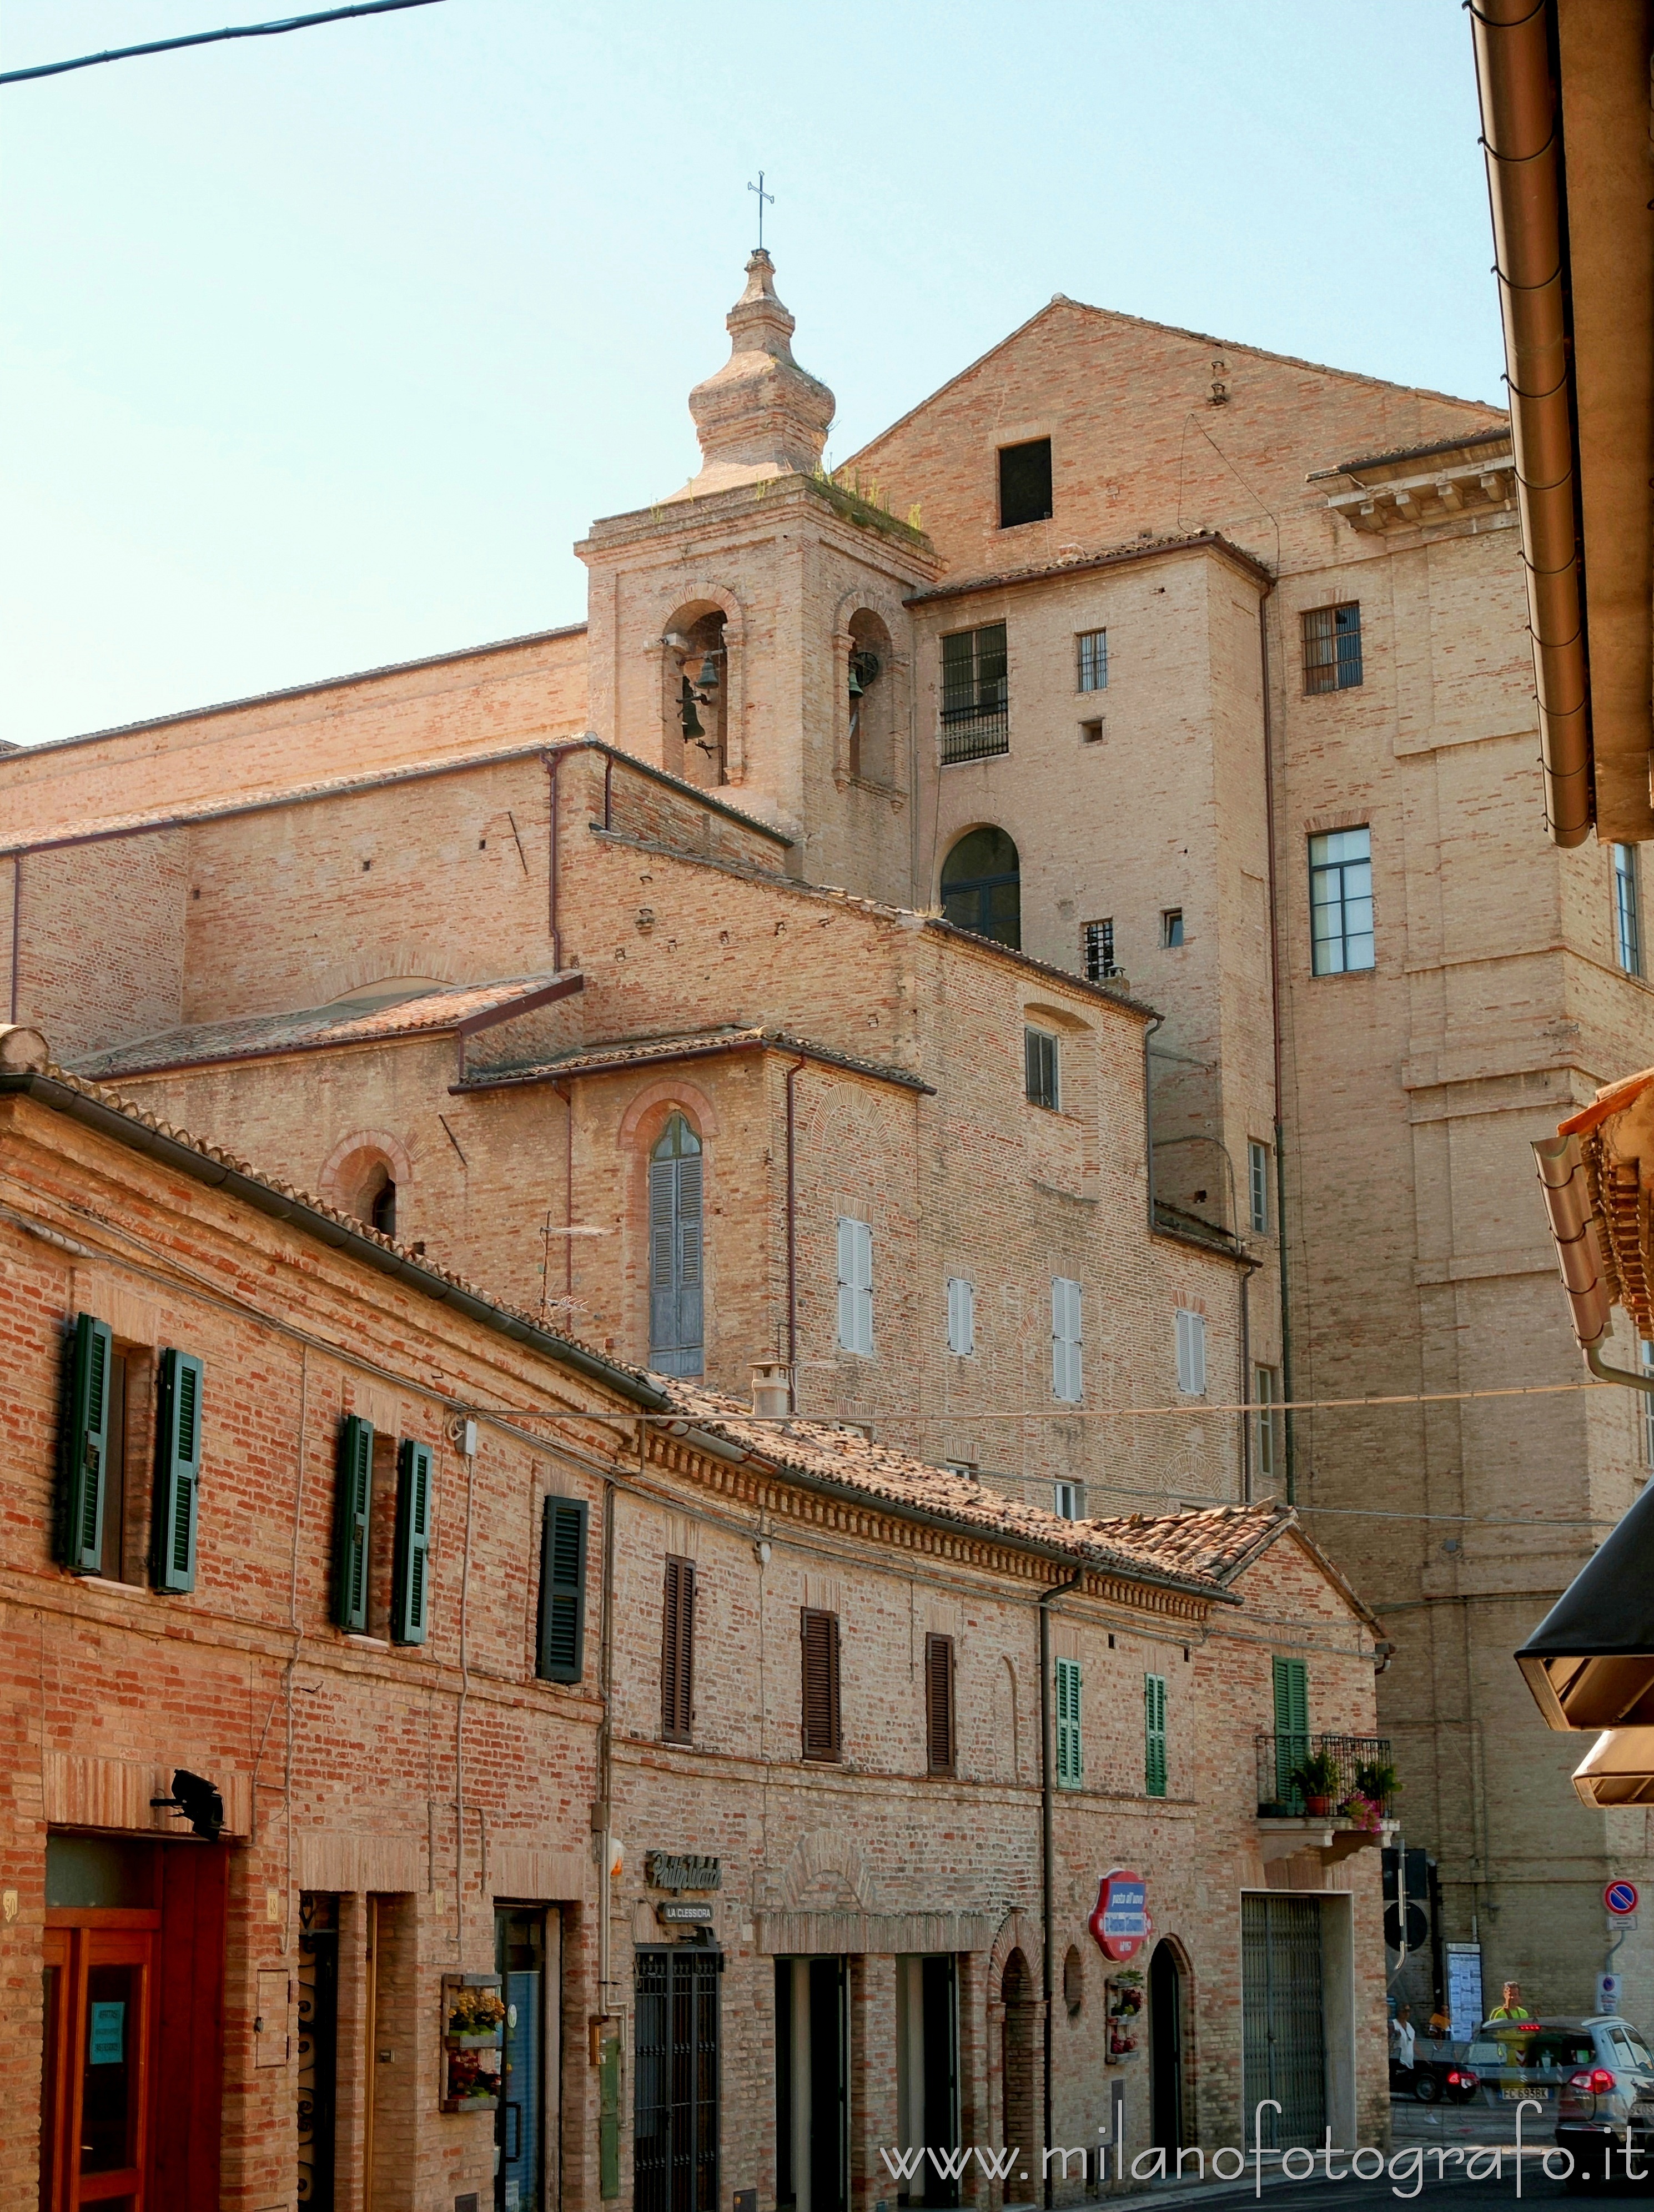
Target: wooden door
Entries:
(100, 2034)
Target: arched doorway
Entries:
(1017, 2067)
(1166, 1997)
(982, 887)
(677, 1288)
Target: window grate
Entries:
(1093, 650)
(1332, 647)
(975, 696)
(1097, 947)
(1340, 901)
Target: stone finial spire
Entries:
(761, 414)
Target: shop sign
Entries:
(681, 1870)
(1121, 1921)
(680, 1915)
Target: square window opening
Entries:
(1090, 733)
(1024, 483)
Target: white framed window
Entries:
(1627, 932)
(1093, 645)
(1191, 1353)
(1068, 1372)
(1066, 1500)
(1257, 1185)
(1340, 901)
(855, 1286)
(1265, 1396)
(961, 1316)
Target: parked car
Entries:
(1440, 2072)
(1594, 2074)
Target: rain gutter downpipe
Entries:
(1047, 1849)
(1522, 139)
(793, 1235)
(1289, 1435)
(1158, 1023)
(1579, 1256)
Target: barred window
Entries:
(1097, 947)
(1332, 647)
(1093, 645)
(976, 696)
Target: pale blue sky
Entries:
(320, 352)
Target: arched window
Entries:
(677, 1315)
(378, 1204)
(982, 887)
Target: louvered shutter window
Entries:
(676, 1287)
(855, 1314)
(961, 1316)
(86, 1445)
(1154, 1736)
(1191, 1353)
(178, 1472)
(562, 1590)
(410, 1575)
(677, 1652)
(1291, 1695)
(819, 1632)
(354, 1515)
(1067, 1373)
(1070, 1767)
(938, 1704)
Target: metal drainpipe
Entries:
(1158, 1023)
(16, 925)
(1289, 1437)
(566, 1092)
(793, 1234)
(1048, 1842)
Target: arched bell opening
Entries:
(695, 704)
(872, 686)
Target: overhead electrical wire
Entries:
(212, 37)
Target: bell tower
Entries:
(748, 632)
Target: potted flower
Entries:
(1375, 1780)
(1316, 1780)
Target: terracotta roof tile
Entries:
(310, 1028)
(692, 1044)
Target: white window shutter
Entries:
(1067, 1380)
(961, 1315)
(854, 1285)
(1197, 1350)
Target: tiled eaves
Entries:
(641, 1052)
(1081, 564)
(1499, 433)
(462, 1008)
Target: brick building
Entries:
(361, 1640)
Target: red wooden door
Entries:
(99, 2036)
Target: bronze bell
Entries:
(692, 720)
(856, 685)
(707, 680)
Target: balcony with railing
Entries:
(975, 733)
(975, 695)
(1327, 1792)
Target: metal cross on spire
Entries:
(763, 197)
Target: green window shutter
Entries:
(178, 1472)
(410, 1574)
(355, 1504)
(1291, 1693)
(86, 1441)
(562, 1590)
(1070, 1767)
(1154, 1736)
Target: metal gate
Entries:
(1284, 2038)
(675, 2139)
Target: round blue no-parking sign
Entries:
(1621, 1898)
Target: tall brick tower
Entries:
(748, 632)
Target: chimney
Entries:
(772, 1389)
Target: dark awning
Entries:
(1590, 1664)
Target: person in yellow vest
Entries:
(1511, 2049)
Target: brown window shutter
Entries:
(938, 1704)
(819, 1631)
(677, 1652)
